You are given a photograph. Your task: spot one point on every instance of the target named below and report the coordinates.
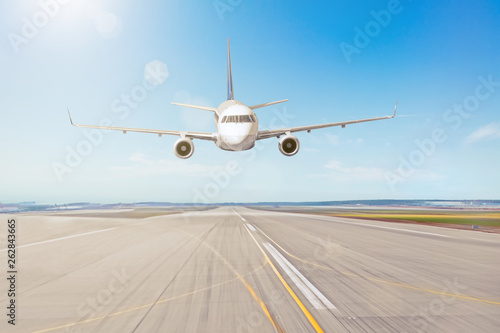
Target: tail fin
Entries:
(230, 92)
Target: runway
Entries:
(235, 269)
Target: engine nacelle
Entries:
(183, 148)
(289, 145)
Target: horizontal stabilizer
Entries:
(267, 104)
(206, 108)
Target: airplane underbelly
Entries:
(237, 142)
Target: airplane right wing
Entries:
(278, 132)
(182, 134)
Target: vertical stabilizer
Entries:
(230, 92)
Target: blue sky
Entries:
(334, 60)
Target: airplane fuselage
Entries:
(237, 126)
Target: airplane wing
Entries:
(191, 135)
(278, 132)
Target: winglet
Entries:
(70, 120)
(395, 108)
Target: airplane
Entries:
(237, 126)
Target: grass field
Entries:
(480, 218)
(483, 218)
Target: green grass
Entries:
(489, 219)
(448, 220)
(483, 218)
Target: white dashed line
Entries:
(241, 217)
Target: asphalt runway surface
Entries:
(234, 269)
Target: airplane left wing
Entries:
(182, 134)
(278, 132)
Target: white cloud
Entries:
(488, 132)
(340, 172)
(142, 166)
(427, 175)
(335, 140)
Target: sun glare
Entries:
(70, 14)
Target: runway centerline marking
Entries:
(62, 238)
(241, 217)
(317, 299)
(251, 227)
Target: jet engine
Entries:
(183, 148)
(289, 145)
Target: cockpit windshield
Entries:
(245, 118)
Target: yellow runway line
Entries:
(306, 312)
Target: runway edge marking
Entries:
(306, 312)
(62, 238)
(367, 225)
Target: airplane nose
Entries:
(234, 140)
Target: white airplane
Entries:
(237, 126)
